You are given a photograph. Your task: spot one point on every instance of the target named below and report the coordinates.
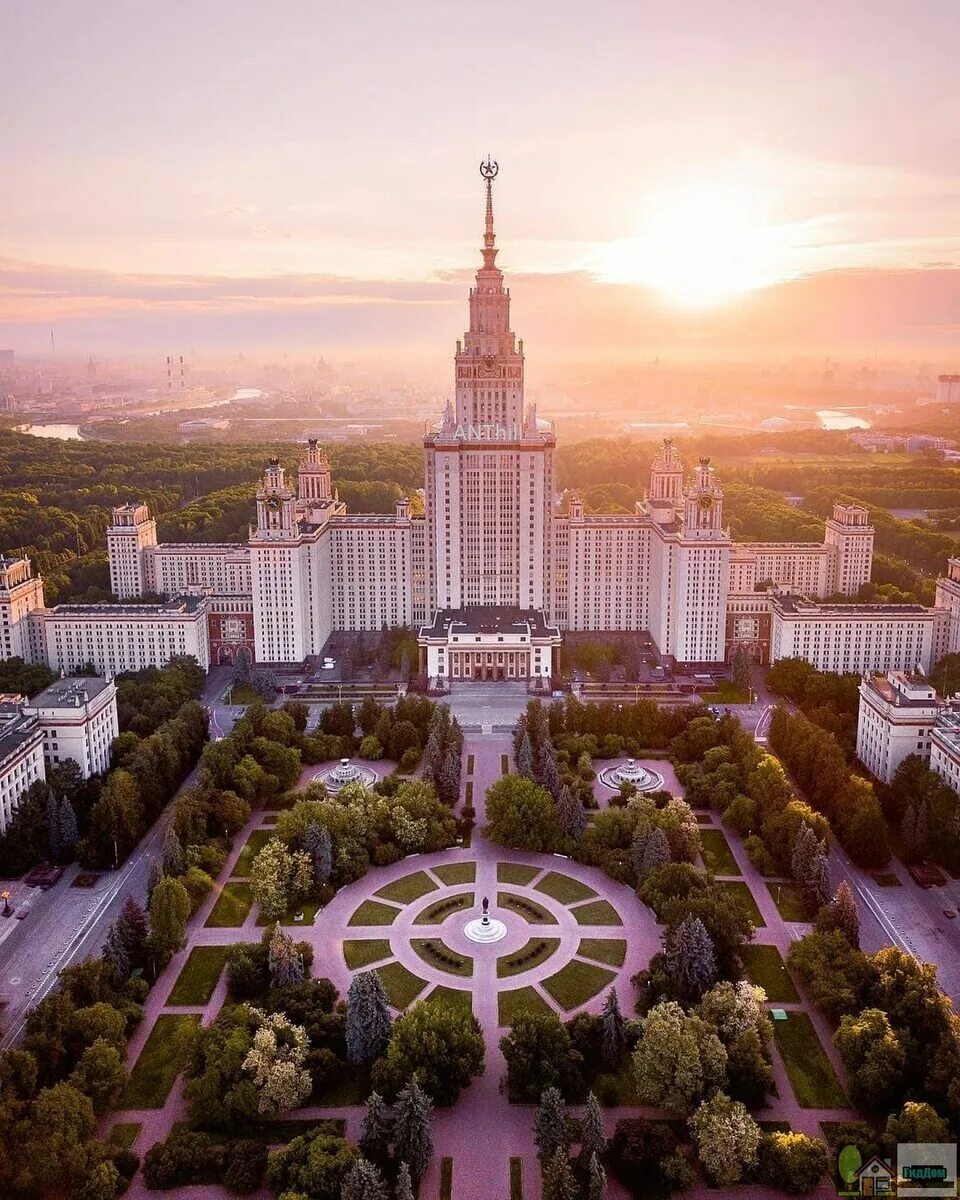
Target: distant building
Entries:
(948, 598)
(897, 714)
(948, 389)
(21, 758)
(945, 745)
(78, 718)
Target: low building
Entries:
(948, 598)
(897, 714)
(21, 758)
(945, 745)
(78, 718)
(488, 643)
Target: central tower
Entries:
(489, 464)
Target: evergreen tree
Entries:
(116, 954)
(448, 781)
(67, 821)
(154, 876)
(908, 832)
(242, 666)
(558, 1179)
(53, 824)
(518, 733)
(816, 887)
(317, 844)
(550, 1125)
(172, 856)
(691, 960)
(650, 849)
(570, 814)
(593, 1141)
(546, 770)
(802, 856)
(412, 1142)
(363, 1182)
(404, 1189)
(596, 1179)
(846, 917)
(525, 757)
(375, 1134)
(368, 1018)
(131, 922)
(613, 1035)
(921, 833)
(283, 959)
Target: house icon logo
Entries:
(876, 1178)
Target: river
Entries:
(65, 433)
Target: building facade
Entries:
(78, 720)
(896, 716)
(21, 758)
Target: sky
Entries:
(700, 177)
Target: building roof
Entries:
(72, 692)
(16, 730)
(184, 604)
(490, 619)
(803, 605)
(903, 690)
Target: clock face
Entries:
(705, 503)
(273, 503)
(489, 364)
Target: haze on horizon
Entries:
(710, 178)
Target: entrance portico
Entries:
(488, 643)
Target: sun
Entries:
(700, 246)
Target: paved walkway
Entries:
(483, 1131)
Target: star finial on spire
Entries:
(489, 171)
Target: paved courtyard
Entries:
(572, 933)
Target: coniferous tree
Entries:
(133, 925)
(802, 856)
(283, 959)
(518, 733)
(116, 954)
(154, 876)
(691, 960)
(570, 814)
(908, 832)
(173, 858)
(412, 1142)
(317, 844)
(363, 1182)
(650, 849)
(921, 832)
(550, 1125)
(845, 914)
(559, 1182)
(368, 1018)
(404, 1188)
(375, 1134)
(816, 887)
(53, 824)
(593, 1141)
(546, 771)
(596, 1179)
(67, 822)
(525, 757)
(613, 1035)
(448, 781)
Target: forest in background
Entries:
(56, 497)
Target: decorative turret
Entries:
(703, 504)
(313, 476)
(276, 505)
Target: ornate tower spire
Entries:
(489, 171)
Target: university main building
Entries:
(498, 568)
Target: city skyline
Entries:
(717, 181)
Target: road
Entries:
(68, 924)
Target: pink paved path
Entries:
(483, 1131)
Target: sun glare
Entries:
(700, 246)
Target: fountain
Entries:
(642, 778)
(486, 929)
(346, 772)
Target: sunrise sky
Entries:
(744, 176)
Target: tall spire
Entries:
(489, 170)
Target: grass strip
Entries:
(717, 855)
(564, 888)
(536, 951)
(518, 873)
(196, 982)
(576, 983)
(811, 1074)
(434, 913)
(740, 888)
(361, 952)
(597, 912)
(254, 844)
(407, 888)
(766, 968)
(232, 906)
(612, 951)
(526, 999)
(789, 901)
(454, 873)
(159, 1063)
(403, 987)
(372, 912)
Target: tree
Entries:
(540, 1054)
(874, 1057)
(368, 1018)
(525, 757)
(313, 1166)
(276, 1061)
(67, 824)
(841, 914)
(439, 1044)
(172, 856)
(404, 1188)
(792, 1162)
(593, 1141)
(55, 1151)
(802, 856)
(691, 960)
(816, 886)
(285, 963)
(363, 1182)
(115, 953)
(917, 1122)
(596, 1179)
(614, 1038)
(412, 1142)
(270, 879)
(550, 1125)
(264, 683)
(570, 814)
(169, 910)
(522, 815)
(727, 1139)
(650, 849)
(51, 804)
(100, 1074)
(242, 666)
(559, 1182)
(376, 1133)
(678, 1060)
(318, 845)
(740, 669)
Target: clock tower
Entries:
(276, 505)
(703, 504)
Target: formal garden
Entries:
(674, 999)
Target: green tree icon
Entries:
(849, 1163)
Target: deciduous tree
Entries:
(726, 1137)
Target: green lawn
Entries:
(372, 912)
(232, 906)
(536, 951)
(199, 976)
(241, 693)
(740, 887)
(306, 909)
(726, 692)
(504, 764)
(469, 764)
(124, 1134)
(577, 982)
(564, 888)
(605, 950)
(433, 914)
(254, 844)
(789, 901)
(455, 997)
(347, 1091)
(516, 1179)
(886, 879)
(408, 888)
(159, 1063)
(531, 912)
(717, 855)
(765, 967)
(525, 999)
(812, 1077)
(363, 951)
(597, 912)
(442, 958)
(403, 987)
(518, 873)
(454, 873)
(446, 1178)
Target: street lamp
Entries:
(5, 897)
